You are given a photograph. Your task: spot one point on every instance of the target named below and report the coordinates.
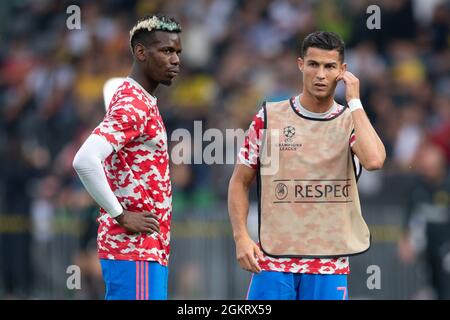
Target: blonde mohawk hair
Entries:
(155, 23)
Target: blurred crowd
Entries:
(236, 54)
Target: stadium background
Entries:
(235, 55)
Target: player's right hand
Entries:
(247, 252)
(145, 222)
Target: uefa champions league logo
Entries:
(288, 143)
(289, 133)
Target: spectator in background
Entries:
(427, 222)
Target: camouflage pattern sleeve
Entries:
(352, 139)
(249, 152)
(125, 121)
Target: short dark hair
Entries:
(148, 25)
(323, 40)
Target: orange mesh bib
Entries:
(309, 206)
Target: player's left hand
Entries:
(351, 85)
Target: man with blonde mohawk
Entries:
(124, 165)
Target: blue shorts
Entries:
(272, 285)
(134, 280)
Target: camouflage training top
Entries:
(138, 174)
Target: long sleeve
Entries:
(88, 165)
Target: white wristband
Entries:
(355, 104)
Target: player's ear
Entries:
(140, 52)
(300, 63)
(344, 67)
